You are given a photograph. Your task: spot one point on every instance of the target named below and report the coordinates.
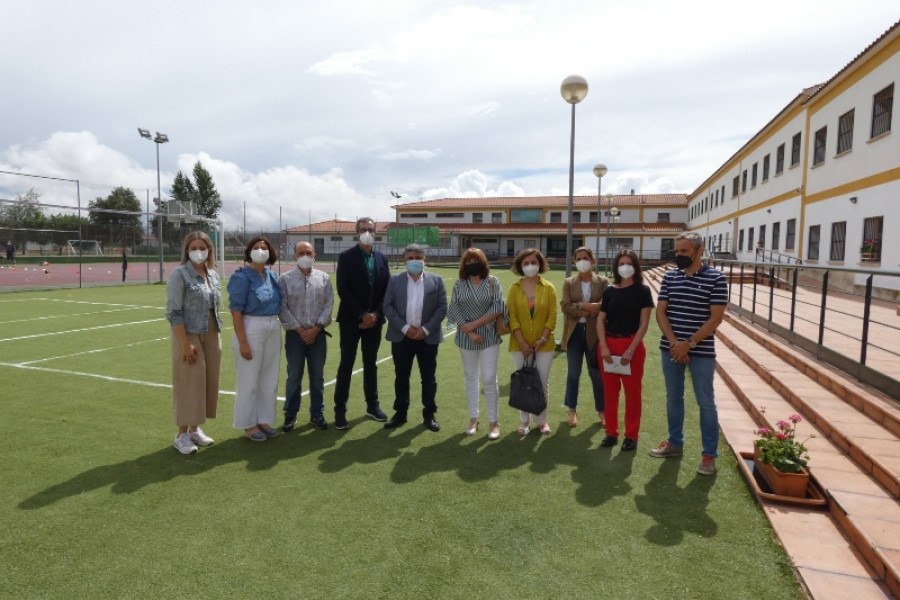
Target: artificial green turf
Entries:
(96, 504)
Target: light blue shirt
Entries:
(253, 295)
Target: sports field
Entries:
(95, 502)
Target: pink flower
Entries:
(764, 431)
(795, 418)
(782, 424)
(782, 436)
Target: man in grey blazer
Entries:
(415, 305)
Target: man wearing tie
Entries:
(415, 305)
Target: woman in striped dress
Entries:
(476, 301)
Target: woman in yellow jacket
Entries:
(532, 318)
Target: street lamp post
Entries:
(599, 170)
(573, 89)
(612, 213)
(160, 138)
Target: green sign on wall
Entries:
(413, 234)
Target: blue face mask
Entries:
(415, 267)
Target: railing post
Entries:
(794, 296)
(822, 309)
(771, 291)
(755, 277)
(867, 310)
(741, 297)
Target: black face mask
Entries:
(682, 261)
(474, 269)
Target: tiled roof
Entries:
(336, 226)
(542, 202)
(348, 228)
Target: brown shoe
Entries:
(573, 418)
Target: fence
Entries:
(848, 327)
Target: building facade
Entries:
(820, 183)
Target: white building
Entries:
(820, 182)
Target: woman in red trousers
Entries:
(621, 325)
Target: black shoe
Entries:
(609, 441)
(340, 422)
(396, 421)
(629, 444)
(319, 422)
(432, 425)
(376, 414)
(289, 423)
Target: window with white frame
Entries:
(496, 217)
(819, 142)
(838, 241)
(812, 251)
(845, 132)
(882, 108)
(478, 217)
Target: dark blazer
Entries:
(353, 285)
(434, 307)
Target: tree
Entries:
(21, 216)
(202, 192)
(208, 199)
(123, 218)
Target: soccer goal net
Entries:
(82, 247)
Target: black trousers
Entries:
(404, 353)
(352, 339)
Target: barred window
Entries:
(790, 234)
(766, 167)
(779, 160)
(795, 150)
(815, 232)
(872, 232)
(845, 132)
(744, 181)
(762, 236)
(819, 146)
(478, 217)
(753, 176)
(881, 111)
(838, 240)
(734, 186)
(776, 234)
(556, 217)
(496, 217)
(741, 240)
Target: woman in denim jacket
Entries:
(193, 294)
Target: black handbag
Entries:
(526, 392)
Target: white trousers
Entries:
(483, 362)
(255, 398)
(543, 362)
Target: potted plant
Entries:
(869, 251)
(781, 459)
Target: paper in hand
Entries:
(616, 366)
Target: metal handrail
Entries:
(846, 325)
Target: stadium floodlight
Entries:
(145, 133)
(160, 138)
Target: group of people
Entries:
(604, 326)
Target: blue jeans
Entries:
(576, 352)
(299, 356)
(703, 370)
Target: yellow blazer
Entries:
(572, 293)
(545, 308)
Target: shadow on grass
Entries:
(165, 464)
(676, 510)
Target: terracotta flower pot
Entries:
(783, 484)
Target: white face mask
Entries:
(583, 266)
(198, 256)
(530, 270)
(366, 238)
(259, 256)
(626, 271)
(305, 262)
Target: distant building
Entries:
(647, 223)
(818, 183)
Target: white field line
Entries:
(82, 330)
(77, 354)
(84, 314)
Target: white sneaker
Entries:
(200, 438)
(184, 444)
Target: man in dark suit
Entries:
(362, 278)
(415, 305)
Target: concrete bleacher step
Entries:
(854, 456)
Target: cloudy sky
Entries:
(320, 109)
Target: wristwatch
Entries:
(692, 343)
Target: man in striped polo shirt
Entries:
(690, 307)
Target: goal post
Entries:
(84, 247)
